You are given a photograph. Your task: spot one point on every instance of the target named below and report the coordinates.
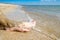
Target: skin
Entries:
(8, 25)
(21, 28)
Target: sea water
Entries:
(44, 9)
(49, 22)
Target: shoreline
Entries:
(48, 24)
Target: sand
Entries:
(50, 25)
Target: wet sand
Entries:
(48, 28)
(47, 23)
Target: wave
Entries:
(47, 23)
(14, 12)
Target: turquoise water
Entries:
(45, 9)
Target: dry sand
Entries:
(48, 24)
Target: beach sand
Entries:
(50, 29)
(48, 24)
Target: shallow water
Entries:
(47, 17)
(44, 9)
(46, 22)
